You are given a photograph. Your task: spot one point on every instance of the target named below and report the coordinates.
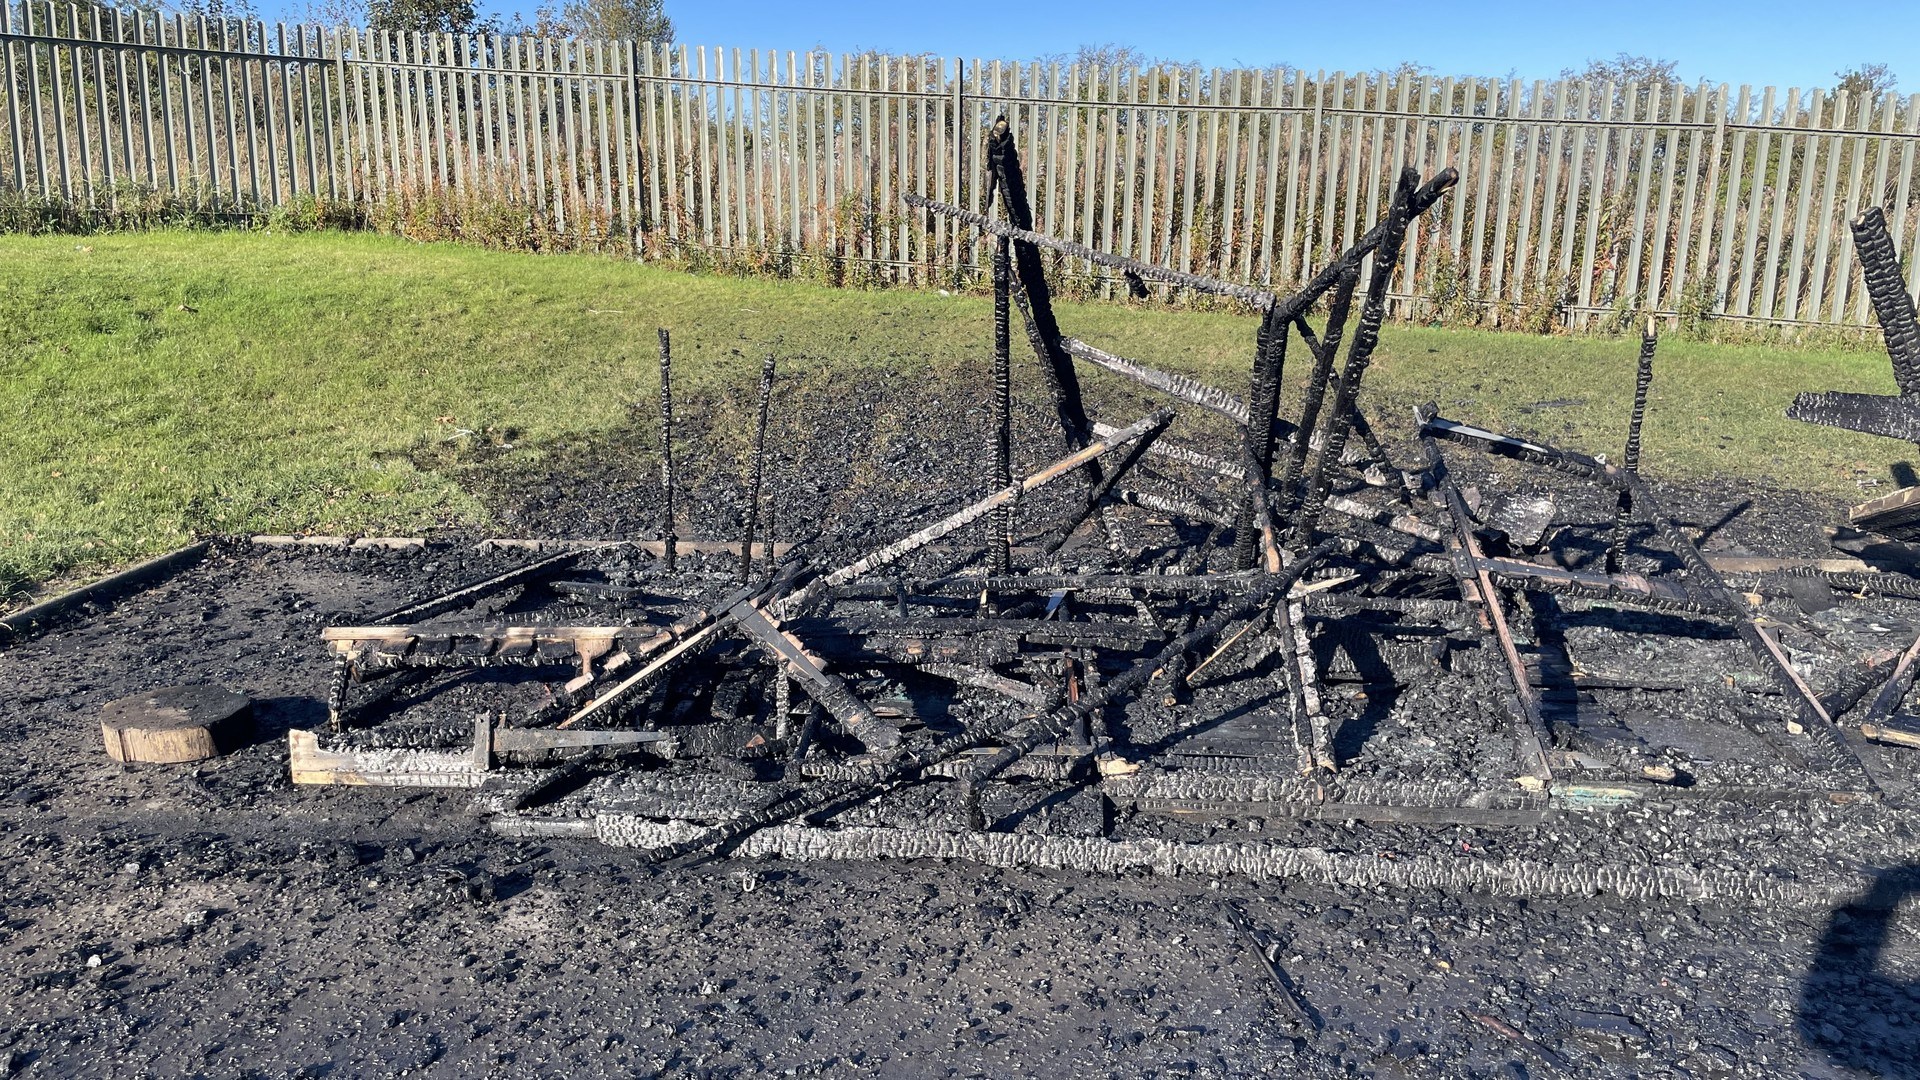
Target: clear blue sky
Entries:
(1758, 41)
(1761, 42)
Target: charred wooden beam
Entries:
(1642, 383)
(1406, 524)
(1476, 585)
(1190, 390)
(1896, 513)
(1895, 731)
(533, 746)
(1162, 448)
(1872, 414)
(1151, 491)
(1312, 737)
(651, 547)
(474, 591)
(311, 763)
(675, 642)
(1105, 634)
(999, 554)
(1325, 352)
(1024, 233)
(1892, 303)
(1565, 461)
(1329, 275)
(1366, 337)
(1896, 689)
(981, 678)
(973, 585)
(1259, 860)
(908, 544)
(1029, 282)
(811, 676)
(667, 527)
(1257, 441)
(758, 465)
(1099, 491)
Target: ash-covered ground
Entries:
(217, 921)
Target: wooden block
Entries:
(176, 724)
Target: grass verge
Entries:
(157, 386)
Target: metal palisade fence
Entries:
(1580, 200)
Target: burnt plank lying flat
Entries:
(1110, 635)
(1873, 414)
(375, 648)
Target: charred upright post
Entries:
(759, 467)
(1366, 336)
(666, 448)
(1317, 381)
(1642, 382)
(1880, 265)
(999, 548)
(1263, 408)
(1003, 158)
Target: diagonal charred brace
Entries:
(1028, 283)
(471, 592)
(878, 774)
(909, 544)
(1476, 584)
(807, 672)
(1189, 390)
(1366, 337)
(1259, 298)
(1419, 203)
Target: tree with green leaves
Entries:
(1626, 68)
(1870, 80)
(424, 16)
(632, 20)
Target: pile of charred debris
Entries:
(1145, 655)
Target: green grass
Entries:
(158, 386)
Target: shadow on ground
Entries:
(1860, 1003)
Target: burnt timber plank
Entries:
(1872, 414)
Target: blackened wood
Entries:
(1895, 513)
(1189, 390)
(1872, 414)
(1366, 336)
(666, 449)
(883, 772)
(999, 554)
(1324, 354)
(759, 468)
(1476, 585)
(1256, 445)
(1892, 304)
(1642, 383)
(473, 591)
(1259, 298)
(1003, 158)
